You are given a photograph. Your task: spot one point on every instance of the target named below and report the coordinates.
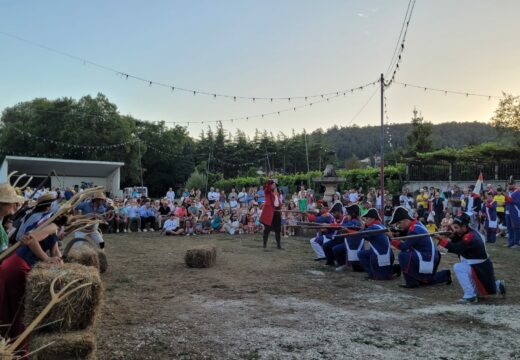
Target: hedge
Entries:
(356, 178)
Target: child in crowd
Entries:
(431, 226)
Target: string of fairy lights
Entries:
(230, 120)
(174, 88)
(88, 149)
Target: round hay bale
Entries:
(64, 346)
(84, 255)
(103, 264)
(76, 312)
(201, 257)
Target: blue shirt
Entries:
(132, 211)
(87, 207)
(30, 258)
(143, 211)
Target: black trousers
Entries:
(276, 226)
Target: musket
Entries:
(415, 236)
(297, 211)
(364, 233)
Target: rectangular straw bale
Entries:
(76, 312)
(203, 256)
(84, 255)
(73, 345)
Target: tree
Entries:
(507, 116)
(353, 163)
(419, 137)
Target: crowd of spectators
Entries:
(192, 212)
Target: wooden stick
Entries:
(55, 299)
(364, 233)
(65, 208)
(439, 233)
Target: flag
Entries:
(479, 186)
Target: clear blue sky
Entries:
(263, 48)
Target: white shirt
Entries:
(353, 197)
(171, 224)
(170, 195)
(276, 201)
(213, 195)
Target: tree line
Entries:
(91, 128)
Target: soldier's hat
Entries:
(462, 219)
(400, 213)
(337, 207)
(353, 210)
(372, 214)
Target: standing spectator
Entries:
(212, 195)
(233, 194)
(242, 196)
(438, 209)
(501, 200)
(456, 201)
(170, 195)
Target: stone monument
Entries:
(330, 181)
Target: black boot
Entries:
(278, 241)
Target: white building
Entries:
(67, 173)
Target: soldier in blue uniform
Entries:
(513, 215)
(346, 252)
(322, 235)
(419, 257)
(339, 220)
(378, 260)
(475, 270)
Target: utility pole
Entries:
(382, 175)
(307, 155)
(140, 160)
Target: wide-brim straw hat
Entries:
(8, 194)
(99, 195)
(46, 199)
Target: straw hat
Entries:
(46, 199)
(8, 194)
(99, 195)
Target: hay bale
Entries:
(64, 346)
(103, 264)
(76, 312)
(201, 257)
(84, 255)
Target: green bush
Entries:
(196, 180)
(356, 178)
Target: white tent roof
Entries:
(64, 167)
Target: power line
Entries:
(172, 87)
(446, 92)
(397, 57)
(398, 38)
(364, 106)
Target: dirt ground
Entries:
(273, 304)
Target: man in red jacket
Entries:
(271, 215)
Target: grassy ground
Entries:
(257, 304)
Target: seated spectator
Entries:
(172, 226)
(217, 222)
(204, 226)
(132, 211)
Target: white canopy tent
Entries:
(68, 172)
